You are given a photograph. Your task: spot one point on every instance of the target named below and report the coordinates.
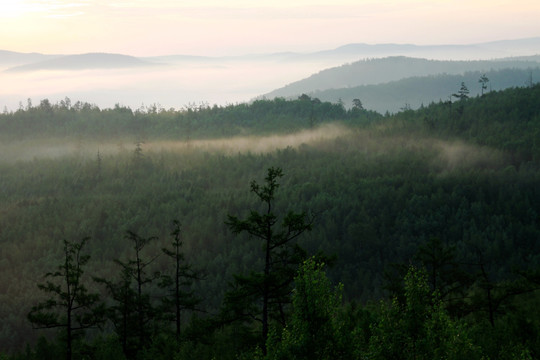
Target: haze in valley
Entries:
(143, 53)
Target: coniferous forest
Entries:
(278, 229)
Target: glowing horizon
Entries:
(210, 27)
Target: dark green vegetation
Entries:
(393, 83)
(87, 121)
(433, 217)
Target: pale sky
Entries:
(235, 27)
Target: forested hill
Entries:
(390, 84)
(417, 91)
(451, 188)
(505, 120)
(383, 70)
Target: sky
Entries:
(237, 27)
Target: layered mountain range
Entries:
(385, 77)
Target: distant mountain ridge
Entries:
(345, 53)
(82, 62)
(487, 50)
(502, 46)
(15, 58)
(176, 80)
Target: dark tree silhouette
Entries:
(463, 93)
(357, 104)
(180, 297)
(133, 310)
(281, 257)
(483, 80)
(71, 306)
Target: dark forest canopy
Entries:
(194, 121)
(451, 188)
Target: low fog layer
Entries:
(167, 85)
(449, 155)
(26, 150)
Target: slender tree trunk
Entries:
(265, 297)
(140, 311)
(68, 340)
(69, 304)
(124, 327)
(266, 285)
(177, 295)
(491, 311)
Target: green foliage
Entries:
(47, 350)
(313, 331)
(420, 328)
(106, 347)
(382, 190)
(505, 120)
(83, 119)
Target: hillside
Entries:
(379, 71)
(82, 62)
(421, 90)
(11, 58)
(392, 83)
(380, 188)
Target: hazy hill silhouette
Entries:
(82, 62)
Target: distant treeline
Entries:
(197, 121)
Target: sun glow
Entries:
(12, 9)
(21, 9)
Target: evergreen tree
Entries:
(445, 274)
(262, 295)
(180, 297)
(483, 81)
(71, 306)
(463, 93)
(133, 312)
(123, 312)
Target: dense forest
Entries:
(163, 233)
